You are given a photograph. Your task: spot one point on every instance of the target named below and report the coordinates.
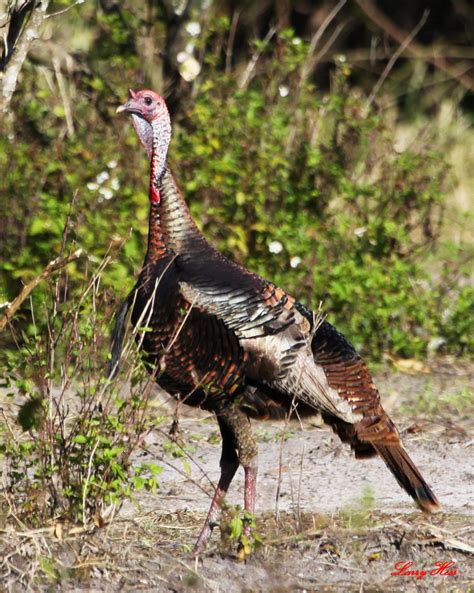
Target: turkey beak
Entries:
(128, 106)
(125, 107)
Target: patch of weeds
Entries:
(48, 568)
(283, 434)
(262, 435)
(214, 438)
(196, 437)
(239, 527)
(191, 579)
(358, 516)
(459, 404)
(181, 451)
(178, 450)
(68, 450)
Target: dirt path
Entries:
(308, 469)
(307, 476)
(343, 523)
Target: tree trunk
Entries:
(24, 26)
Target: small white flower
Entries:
(360, 232)
(115, 184)
(275, 247)
(190, 68)
(193, 28)
(31, 34)
(179, 6)
(91, 186)
(296, 41)
(112, 164)
(189, 49)
(182, 57)
(435, 344)
(107, 193)
(446, 313)
(101, 177)
(295, 261)
(283, 90)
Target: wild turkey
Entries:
(233, 343)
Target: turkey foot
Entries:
(228, 469)
(250, 498)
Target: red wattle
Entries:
(155, 197)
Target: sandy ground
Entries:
(328, 522)
(305, 469)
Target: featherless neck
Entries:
(160, 143)
(171, 227)
(161, 136)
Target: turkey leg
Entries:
(229, 464)
(238, 447)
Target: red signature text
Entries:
(441, 569)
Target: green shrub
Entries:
(278, 167)
(272, 165)
(68, 454)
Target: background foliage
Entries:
(290, 165)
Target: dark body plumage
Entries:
(233, 343)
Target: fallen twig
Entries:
(443, 536)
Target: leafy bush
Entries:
(69, 454)
(309, 191)
(301, 187)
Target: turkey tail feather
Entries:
(407, 475)
(117, 340)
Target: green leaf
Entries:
(80, 438)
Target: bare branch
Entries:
(179, 329)
(437, 50)
(53, 266)
(457, 72)
(248, 72)
(64, 10)
(327, 46)
(64, 97)
(310, 61)
(230, 42)
(395, 57)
